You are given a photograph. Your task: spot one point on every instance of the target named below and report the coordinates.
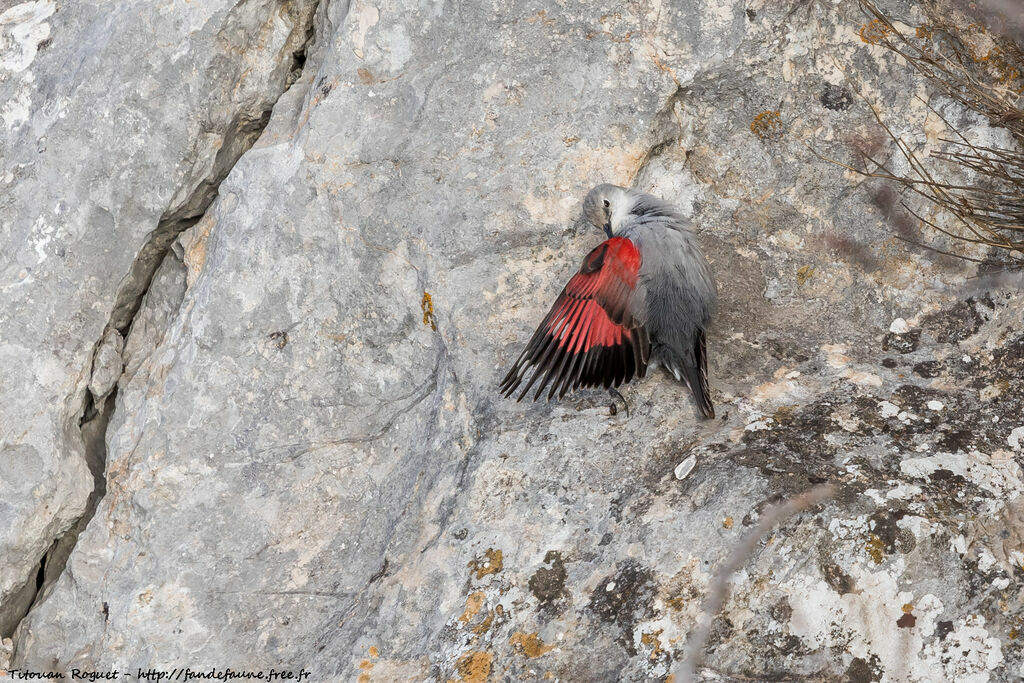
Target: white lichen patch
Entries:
(997, 473)
(899, 326)
(759, 425)
(922, 468)
(968, 654)
(843, 529)
(22, 29)
(900, 492)
(1016, 439)
(887, 409)
(864, 622)
(920, 527)
(903, 491)
(17, 110)
(366, 17)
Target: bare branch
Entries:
(987, 207)
(719, 589)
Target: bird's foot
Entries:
(616, 396)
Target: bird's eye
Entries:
(606, 204)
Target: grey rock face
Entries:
(307, 462)
(117, 121)
(107, 365)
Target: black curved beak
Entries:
(608, 229)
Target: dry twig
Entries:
(719, 589)
(987, 208)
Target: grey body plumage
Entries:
(676, 293)
(669, 305)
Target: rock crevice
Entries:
(188, 208)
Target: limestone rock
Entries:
(309, 466)
(107, 365)
(117, 121)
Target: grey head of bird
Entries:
(608, 207)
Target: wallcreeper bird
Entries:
(643, 296)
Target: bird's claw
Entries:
(616, 396)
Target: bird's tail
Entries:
(697, 375)
(694, 371)
(698, 381)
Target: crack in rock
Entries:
(108, 365)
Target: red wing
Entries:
(589, 337)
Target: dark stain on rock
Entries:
(279, 338)
(616, 505)
(861, 671)
(790, 646)
(323, 87)
(840, 581)
(928, 369)
(722, 629)
(954, 440)
(380, 574)
(952, 426)
(782, 610)
(943, 475)
(916, 398)
(836, 97)
(1008, 360)
(624, 599)
(889, 363)
(782, 349)
(796, 453)
(954, 324)
(902, 343)
(548, 583)
(883, 524)
(943, 629)
(906, 621)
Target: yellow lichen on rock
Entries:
(474, 667)
(874, 32)
(876, 548)
(427, 305)
(490, 563)
(767, 125)
(804, 274)
(529, 644)
(473, 604)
